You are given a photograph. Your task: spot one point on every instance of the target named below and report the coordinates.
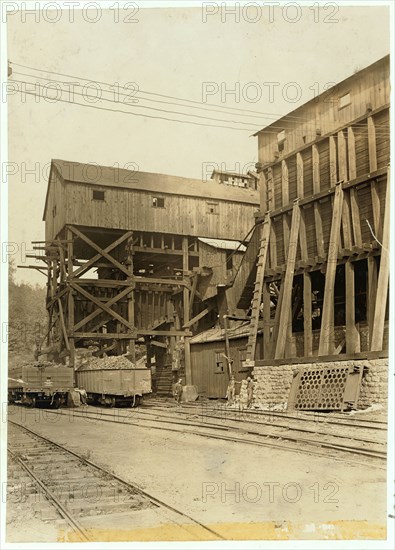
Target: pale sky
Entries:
(171, 52)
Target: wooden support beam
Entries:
(270, 190)
(352, 160)
(326, 333)
(70, 295)
(383, 278)
(371, 294)
(342, 156)
(131, 319)
(63, 325)
(197, 317)
(356, 218)
(346, 223)
(372, 145)
(352, 166)
(266, 320)
(159, 281)
(332, 161)
(103, 335)
(101, 252)
(372, 168)
(288, 282)
(113, 314)
(193, 294)
(285, 201)
(317, 209)
(98, 311)
(263, 195)
(300, 194)
(165, 251)
(307, 315)
(186, 299)
(353, 340)
(147, 332)
(158, 344)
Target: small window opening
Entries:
(219, 362)
(158, 202)
(98, 195)
(344, 100)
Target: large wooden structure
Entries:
(323, 273)
(127, 254)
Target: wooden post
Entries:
(187, 349)
(332, 161)
(307, 315)
(317, 212)
(283, 330)
(372, 168)
(371, 294)
(70, 297)
(285, 202)
(383, 278)
(353, 342)
(326, 334)
(266, 320)
(131, 319)
(227, 347)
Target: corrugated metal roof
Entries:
(216, 334)
(110, 176)
(224, 245)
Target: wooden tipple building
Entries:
(314, 278)
(136, 257)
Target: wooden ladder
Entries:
(258, 288)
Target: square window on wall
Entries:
(97, 195)
(344, 100)
(212, 208)
(219, 362)
(158, 202)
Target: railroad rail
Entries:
(55, 469)
(283, 439)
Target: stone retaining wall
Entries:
(273, 383)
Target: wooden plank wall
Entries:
(354, 159)
(370, 87)
(318, 213)
(132, 209)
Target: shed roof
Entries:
(223, 245)
(217, 334)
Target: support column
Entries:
(70, 297)
(187, 350)
(307, 315)
(353, 342)
(131, 319)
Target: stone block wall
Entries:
(273, 383)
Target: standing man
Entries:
(178, 391)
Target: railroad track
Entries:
(303, 416)
(232, 415)
(81, 491)
(285, 439)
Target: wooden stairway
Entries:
(164, 380)
(237, 295)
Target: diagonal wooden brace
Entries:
(97, 312)
(102, 306)
(101, 253)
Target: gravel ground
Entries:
(242, 491)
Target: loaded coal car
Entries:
(114, 381)
(42, 383)
(15, 389)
